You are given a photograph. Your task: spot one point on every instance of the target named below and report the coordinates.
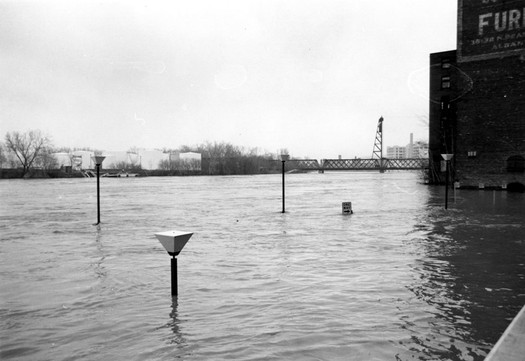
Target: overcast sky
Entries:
(309, 76)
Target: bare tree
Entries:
(3, 157)
(27, 147)
(46, 160)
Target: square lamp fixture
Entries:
(98, 159)
(173, 241)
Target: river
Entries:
(400, 279)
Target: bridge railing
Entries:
(349, 164)
(358, 164)
(303, 164)
(407, 163)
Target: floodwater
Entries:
(400, 279)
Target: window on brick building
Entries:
(516, 163)
(445, 103)
(445, 82)
(445, 64)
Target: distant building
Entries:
(418, 149)
(188, 160)
(115, 159)
(63, 159)
(82, 159)
(190, 156)
(151, 159)
(77, 160)
(477, 97)
(396, 152)
(145, 159)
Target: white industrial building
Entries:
(146, 159)
(150, 159)
(396, 152)
(418, 149)
(78, 159)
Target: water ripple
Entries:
(400, 279)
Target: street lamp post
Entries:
(98, 159)
(173, 242)
(447, 158)
(284, 158)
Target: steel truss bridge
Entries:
(377, 162)
(380, 165)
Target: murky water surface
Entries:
(400, 279)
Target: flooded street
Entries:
(400, 279)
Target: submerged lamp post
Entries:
(98, 159)
(447, 158)
(284, 158)
(173, 242)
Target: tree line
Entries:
(31, 154)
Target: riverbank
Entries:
(37, 174)
(58, 173)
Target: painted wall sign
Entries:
(490, 29)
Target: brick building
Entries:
(477, 97)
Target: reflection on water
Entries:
(100, 270)
(470, 269)
(400, 279)
(175, 338)
(174, 324)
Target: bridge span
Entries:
(376, 163)
(381, 165)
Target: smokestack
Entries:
(411, 147)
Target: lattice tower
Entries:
(378, 144)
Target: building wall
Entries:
(419, 150)
(491, 122)
(491, 114)
(396, 152)
(192, 158)
(150, 159)
(443, 96)
(115, 158)
(490, 29)
(82, 159)
(480, 117)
